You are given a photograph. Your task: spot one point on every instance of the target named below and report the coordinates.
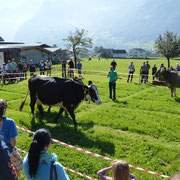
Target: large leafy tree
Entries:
(77, 40)
(168, 45)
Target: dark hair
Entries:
(41, 138)
(3, 105)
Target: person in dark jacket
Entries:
(154, 70)
(7, 169)
(31, 68)
(148, 67)
(114, 64)
(71, 66)
(144, 72)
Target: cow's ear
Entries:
(90, 82)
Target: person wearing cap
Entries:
(112, 75)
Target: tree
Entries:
(54, 46)
(168, 45)
(78, 40)
(97, 49)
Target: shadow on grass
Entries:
(177, 99)
(76, 137)
(64, 131)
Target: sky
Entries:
(13, 13)
(110, 23)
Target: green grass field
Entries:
(141, 127)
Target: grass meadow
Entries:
(141, 127)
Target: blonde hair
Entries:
(120, 170)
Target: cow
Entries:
(54, 91)
(172, 79)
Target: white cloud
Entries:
(148, 17)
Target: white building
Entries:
(137, 53)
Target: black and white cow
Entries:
(54, 91)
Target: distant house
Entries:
(137, 53)
(113, 53)
(119, 53)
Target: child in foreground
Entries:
(120, 171)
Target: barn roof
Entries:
(1, 39)
(116, 51)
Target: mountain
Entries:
(113, 24)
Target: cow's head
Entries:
(91, 93)
(160, 73)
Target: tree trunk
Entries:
(168, 62)
(75, 58)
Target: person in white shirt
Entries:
(131, 71)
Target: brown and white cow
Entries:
(172, 79)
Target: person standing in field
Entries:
(14, 65)
(112, 74)
(177, 68)
(148, 67)
(114, 64)
(64, 68)
(31, 68)
(154, 70)
(131, 71)
(71, 66)
(79, 66)
(143, 72)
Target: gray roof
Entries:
(117, 51)
(1, 39)
(11, 47)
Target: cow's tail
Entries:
(22, 104)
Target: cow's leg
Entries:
(40, 110)
(60, 112)
(33, 102)
(172, 92)
(49, 109)
(71, 112)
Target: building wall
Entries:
(1, 58)
(119, 55)
(137, 54)
(34, 54)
